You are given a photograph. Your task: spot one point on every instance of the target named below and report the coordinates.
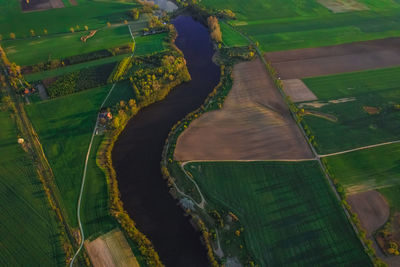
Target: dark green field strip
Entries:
(355, 127)
(28, 229)
(291, 216)
(95, 214)
(68, 69)
(64, 126)
(369, 168)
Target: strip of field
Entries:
(345, 97)
(292, 24)
(111, 250)
(338, 6)
(28, 228)
(319, 61)
(289, 213)
(61, 46)
(64, 126)
(367, 169)
(371, 208)
(254, 124)
(297, 91)
(94, 14)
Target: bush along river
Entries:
(137, 154)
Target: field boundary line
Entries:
(359, 148)
(249, 160)
(84, 179)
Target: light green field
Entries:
(355, 127)
(290, 24)
(28, 229)
(64, 126)
(64, 45)
(94, 14)
(231, 37)
(150, 44)
(368, 169)
(290, 214)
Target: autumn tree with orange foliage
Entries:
(216, 33)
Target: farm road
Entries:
(359, 148)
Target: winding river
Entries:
(137, 154)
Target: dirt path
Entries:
(84, 179)
(359, 148)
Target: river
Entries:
(137, 154)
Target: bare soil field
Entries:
(340, 6)
(254, 124)
(372, 209)
(297, 90)
(371, 110)
(37, 5)
(309, 62)
(111, 250)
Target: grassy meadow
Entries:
(289, 213)
(355, 127)
(93, 13)
(28, 228)
(290, 24)
(64, 126)
(369, 169)
(231, 37)
(64, 45)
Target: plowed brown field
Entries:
(254, 124)
(309, 62)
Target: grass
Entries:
(64, 45)
(369, 169)
(94, 14)
(64, 126)
(290, 215)
(150, 44)
(28, 229)
(355, 127)
(291, 24)
(231, 37)
(95, 214)
(122, 91)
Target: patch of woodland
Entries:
(78, 80)
(76, 59)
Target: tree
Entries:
(86, 28)
(45, 31)
(12, 35)
(125, 22)
(32, 32)
(1, 37)
(108, 24)
(135, 14)
(215, 29)
(72, 29)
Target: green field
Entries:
(95, 213)
(355, 127)
(290, 214)
(64, 126)
(290, 24)
(150, 44)
(93, 13)
(28, 229)
(64, 45)
(231, 37)
(368, 169)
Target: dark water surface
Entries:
(137, 154)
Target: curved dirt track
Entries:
(309, 62)
(254, 124)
